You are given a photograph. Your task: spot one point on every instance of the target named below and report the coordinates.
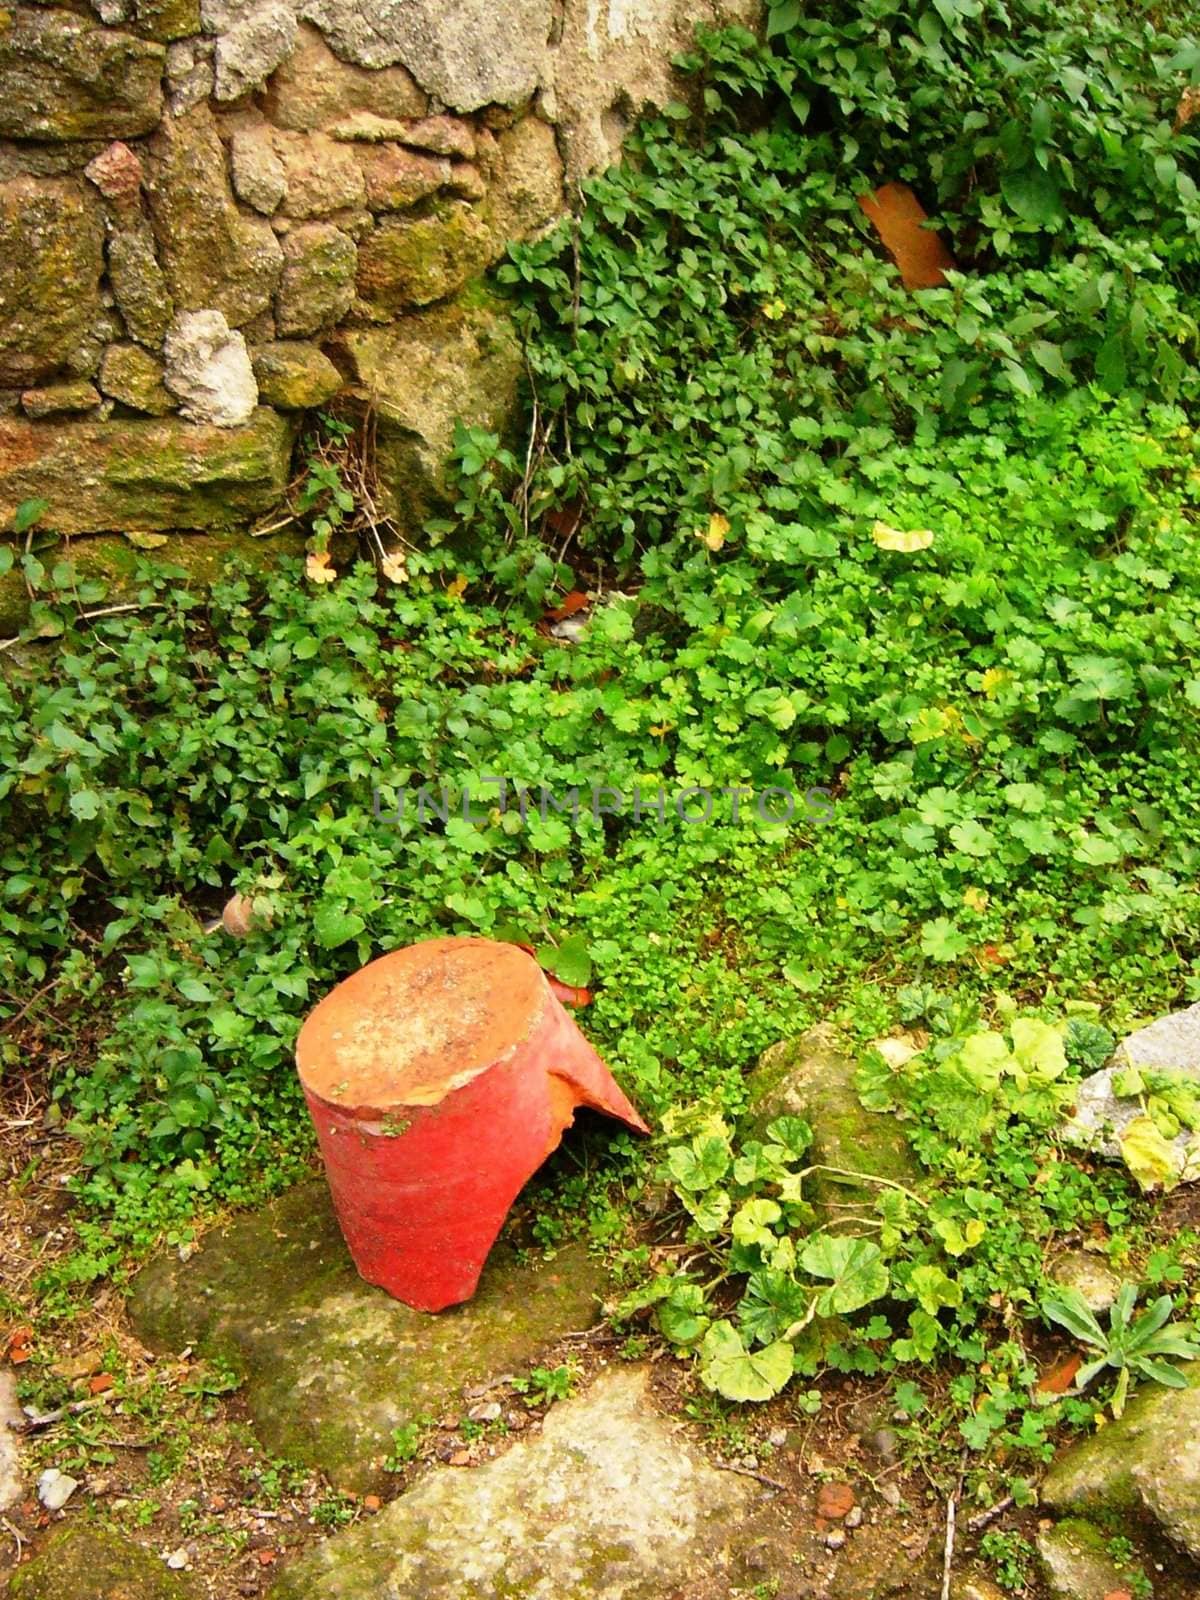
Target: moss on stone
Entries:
(1144, 1467)
(811, 1077)
(84, 1562)
(139, 474)
(51, 262)
(410, 262)
(331, 1364)
(294, 376)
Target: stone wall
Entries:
(216, 214)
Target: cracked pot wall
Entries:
(216, 214)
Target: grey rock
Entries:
(190, 73)
(55, 1488)
(608, 1503)
(331, 1364)
(472, 54)
(1170, 1045)
(62, 77)
(11, 1418)
(252, 49)
(259, 177)
(1144, 1467)
(208, 370)
(1086, 1273)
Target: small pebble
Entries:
(485, 1411)
(890, 1493)
(178, 1560)
(55, 1488)
(853, 1518)
(777, 1438)
(835, 1539)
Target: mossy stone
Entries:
(1144, 1467)
(610, 1502)
(51, 263)
(134, 377)
(214, 256)
(84, 1562)
(409, 262)
(140, 474)
(317, 286)
(139, 285)
(63, 77)
(331, 1364)
(1076, 1563)
(294, 375)
(813, 1078)
(167, 20)
(422, 375)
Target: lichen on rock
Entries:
(63, 77)
(51, 262)
(331, 1364)
(421, 375)
(84, 1562)
(406, 263)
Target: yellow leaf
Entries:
(975, 899)
(393, 568)
(457, 589)
(317, 568)
(993, 679)
(905, 544)
(714, 536)
(146, 541)
(1151, 1158)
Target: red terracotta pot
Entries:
(440, 1077)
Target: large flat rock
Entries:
(610, 1502)
(83, 1562)
(140, 474)
(331, 1364)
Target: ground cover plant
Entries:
(930, 556)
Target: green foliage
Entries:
(1141, 1347)
(947, 1271)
